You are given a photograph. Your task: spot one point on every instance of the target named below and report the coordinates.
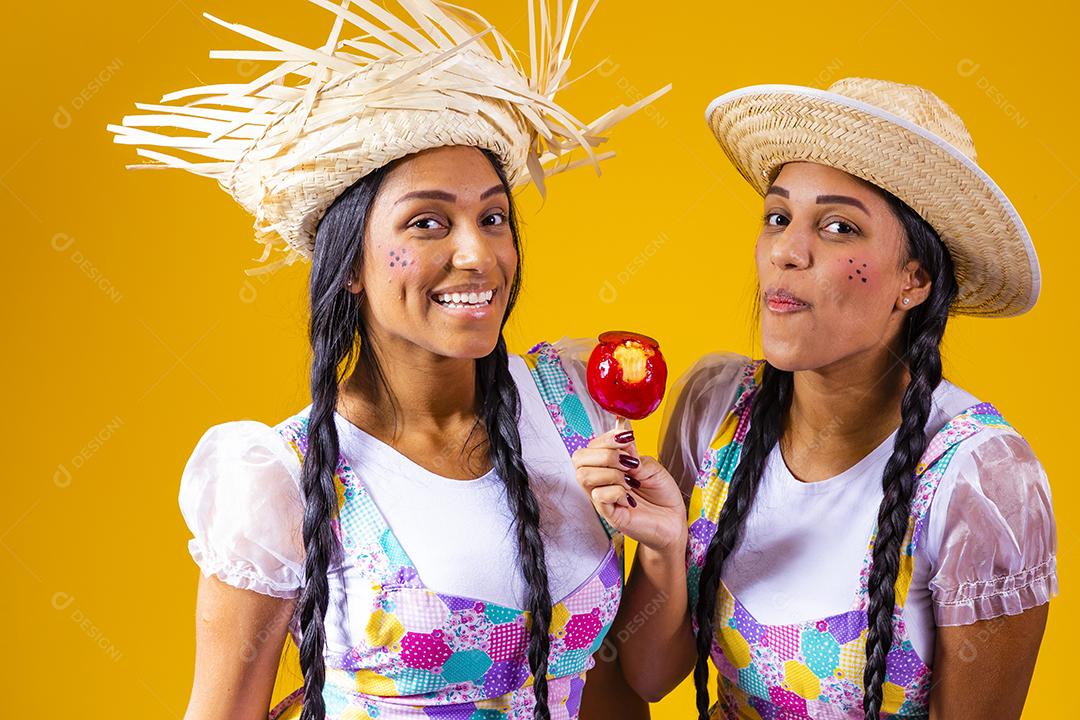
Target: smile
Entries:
(464, 300)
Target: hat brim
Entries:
(762, 127)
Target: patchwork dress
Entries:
(428, 654)
(813, 668)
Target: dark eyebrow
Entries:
(494, 190)
(427, 195)
(843, 200)
(777, 190)
(445, 196)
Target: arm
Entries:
(992, 546)
(983, 670)
(652, 630)
(606, 693)
(239, 635)
(656, 642)
(240, 497)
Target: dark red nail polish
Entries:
(625, 437)
(629, 461)
(630, 499)
(632, 482)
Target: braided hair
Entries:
(922, 334)
(338, 336)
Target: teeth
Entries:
(464, 300)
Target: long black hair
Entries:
(921, 353)
(338, 336)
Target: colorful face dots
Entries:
(860, 272)
(398, 258)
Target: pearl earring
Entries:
(906, 300)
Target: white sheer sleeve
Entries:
(697, 403)
(991, 536)
(574, 355)
(240, 497)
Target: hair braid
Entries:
(766, 424)
(501, 409)
(925, 330)
(334, 328)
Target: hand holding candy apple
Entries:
(626, 376)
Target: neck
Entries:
(841, 412)
(424, 393)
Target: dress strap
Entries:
(928, 473)
(716, 470)
(362, 531)
(564, 406)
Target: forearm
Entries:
(652, 632)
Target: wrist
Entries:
(670, 552)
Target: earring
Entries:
(906, 300)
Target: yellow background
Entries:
(132, 328)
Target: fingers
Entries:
(591, 478)
(614, 439)
(614, 458)
(609, 497)
(650, 467)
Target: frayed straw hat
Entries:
(287, 143)
(906, 140)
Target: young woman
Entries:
(417, 528)
(865, 538)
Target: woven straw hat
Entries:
(908, 141)
(285, 144)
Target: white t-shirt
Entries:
(989, 545)
(240, 496)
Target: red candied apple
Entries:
(627, 374)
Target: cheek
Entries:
(398, 260)
(858, 271)
(402, 265)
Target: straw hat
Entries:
(906, 140)
(285, 144)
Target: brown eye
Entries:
(776, 219)
(426, 224)
(495, 219)
(841, 228)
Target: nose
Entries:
(791, 249)
(473, 251)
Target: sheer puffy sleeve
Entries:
(240, 497)
(697, 403)
(574, 355)
(991, 536)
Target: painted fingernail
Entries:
(625, 437)
(629, 461)
(632, 482)
(630, 499)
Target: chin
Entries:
(471, 348)
(788, 354)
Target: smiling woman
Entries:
(417, 528)
(443, 219)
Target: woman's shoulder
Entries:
(989, 460)
(713, 384)
(991, 535)
(243, 451)
(240, 497)
(961, 418)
